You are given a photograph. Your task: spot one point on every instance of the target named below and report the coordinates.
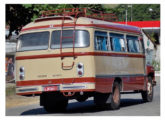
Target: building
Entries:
(10, 52)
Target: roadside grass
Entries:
(10, 91)
(13, 100)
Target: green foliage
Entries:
(18, 15)
(140, 12)
(10, 90)
(37, 8)
(156, 65)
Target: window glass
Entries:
(122, 43)
(137, 46)
(101, 41)
(33, 41)
(131, 47)
(81, 38)
(117, 42)
(141, 46)
(133, 44)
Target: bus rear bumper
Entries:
(72, 87)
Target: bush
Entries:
(156, 65)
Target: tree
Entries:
(16, 17)
(140, 12)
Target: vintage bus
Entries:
(62, 57)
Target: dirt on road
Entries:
(13, 100)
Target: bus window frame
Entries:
(110, 45)
(125, 46)
(69, 47)
(95, 40)
(142, 41)
(48, 47)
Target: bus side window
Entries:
(130, 45)
(122, 43)
(101, 41)
(117, 42)
(133, 44)
(141, 46)
(137, 46)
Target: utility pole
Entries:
(131, 12)
(126, 14)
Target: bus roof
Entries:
(56, 21)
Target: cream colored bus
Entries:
(66, 57)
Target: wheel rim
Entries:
(149, 88)
(116, 95)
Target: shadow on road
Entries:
(84, 107)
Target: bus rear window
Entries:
(81, 39)
(33, 41)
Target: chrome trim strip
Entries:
(28, 90)
(74, 87)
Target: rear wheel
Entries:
(115, 96)
(148, 94)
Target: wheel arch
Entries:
(118, 80)
(151, 74)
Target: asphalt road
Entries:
(131, 105)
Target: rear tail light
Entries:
(21, 69)
(79, 66)
(80, 69)
(21, 73)
(80, 73)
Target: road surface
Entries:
(131, 105)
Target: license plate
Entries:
(51, 88)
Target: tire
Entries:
(115, 96)
(147, 95)
(101, 99)
(81, 98)
(56, 106)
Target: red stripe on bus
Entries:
(55, 81)
(119, 54)
(36, 27)
(53, 55)
(80, 54)
(82, 25)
